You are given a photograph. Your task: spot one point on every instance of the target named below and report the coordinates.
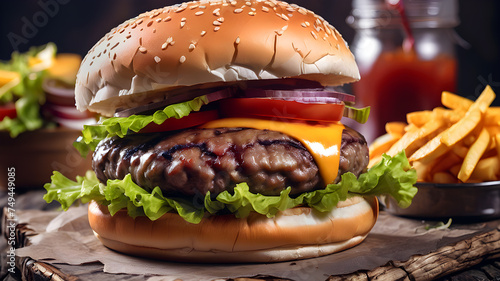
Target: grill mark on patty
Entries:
(293, 144)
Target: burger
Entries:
(221, 138)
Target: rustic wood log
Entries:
(444, 261)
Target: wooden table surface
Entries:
(474, 258)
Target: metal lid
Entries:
(421, 14)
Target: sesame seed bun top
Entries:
(217, 41)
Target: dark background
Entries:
(75, 25)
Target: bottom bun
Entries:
(293, 234)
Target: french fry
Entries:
(486, 169)
(409, 140)
(443, 177)
(462, 128)
(419, 118)
(474, 154)
(453, 101)
(459, 142)
(396, 129)
(381, 145)
(430, 151)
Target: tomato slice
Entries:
(282, 109)
(8, 110)
(172, 124)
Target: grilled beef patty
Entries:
(196, 161)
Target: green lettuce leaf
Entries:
(393, 176)
(120, 126)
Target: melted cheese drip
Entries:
(322, 141)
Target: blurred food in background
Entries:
(38, 117)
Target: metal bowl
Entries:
(468, 201)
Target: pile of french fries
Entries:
(456, 143)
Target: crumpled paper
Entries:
(66, 237)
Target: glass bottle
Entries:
(397, 80)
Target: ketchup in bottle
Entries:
(402, 69)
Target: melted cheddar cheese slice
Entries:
(322, 141)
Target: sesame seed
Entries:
(128, 36)
(302, 11)
(237, 11)
(158, 20)
(203, 7)
(216, 12)
(181, 8)
(149, 23)
(164, 46)
(114, 46)
(167, 19)
(337, 46)
(203, 33)
(154, 30)
(307, 23)
(290, 9)
(220, 19)
(134, 25)
(265, 9)
(233, 3)
(283, 16)
(183, 19)
(248, 3)
(284, 27)
(237, 41)
(122, 30)
(252, 13)
(183, 23)
(199, 13)
(139, 21)
(193, 7)
(217, 23)
(157, 59)
(271, 4)
(170, 40)
(142, 49)
(303, 25)
(192, 46)
(182, 59)
(114, 57)
(216, 28)
(314, 35)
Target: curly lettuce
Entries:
(392, 176)
(121, 126)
